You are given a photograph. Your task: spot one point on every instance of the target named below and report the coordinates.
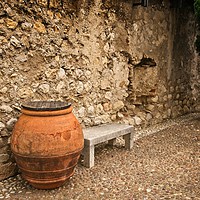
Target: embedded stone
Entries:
(60, 86)
(185, 102)
(10, 123)
(105, 118)
(2, 13)
(26, 43)
(79, 73)
(2, 126)
(4, 158)
(97, 120)
(154, 99)
(108, 95)
(169, 96)
(25, 92)
(138, 120)
(4, 133)
(150, 107)
(107, 107)
(158, 116)
(91, 111)
(106, 47)
(169, 112)
(44, 87)
(2, 143)
(10, 12)
(120, 115)
(81, 112)
(50, 14)
(171, 89)
(21, 57)
(131, 107)
(177, 96)
(88, 86)
(99, 109)
(7, 170)
(113, 117)
(11, 24)
(3, 150)
(165, 98)
(6, 109)
(149, 116)
(26, 26)
(15, 42)
(80, 87)
(61, 73)
(40, 27)
(87, 122)
(186, 109)
(105, 84)
(160, 107)
(87, 73)
(118, 105)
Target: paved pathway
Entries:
(162, 165)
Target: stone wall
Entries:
(114, 61)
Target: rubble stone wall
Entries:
(114, 61)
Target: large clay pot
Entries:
(46, 142)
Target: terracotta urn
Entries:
(47, 141)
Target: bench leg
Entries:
(88, 156)
(128, 140)
(111, 142)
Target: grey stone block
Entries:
(107, 132)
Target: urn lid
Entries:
(46, 105)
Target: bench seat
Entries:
(107, 132)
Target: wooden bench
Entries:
(98, 134)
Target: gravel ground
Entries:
(163, 164)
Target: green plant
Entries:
(197, 9)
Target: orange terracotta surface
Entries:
(47, 146)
